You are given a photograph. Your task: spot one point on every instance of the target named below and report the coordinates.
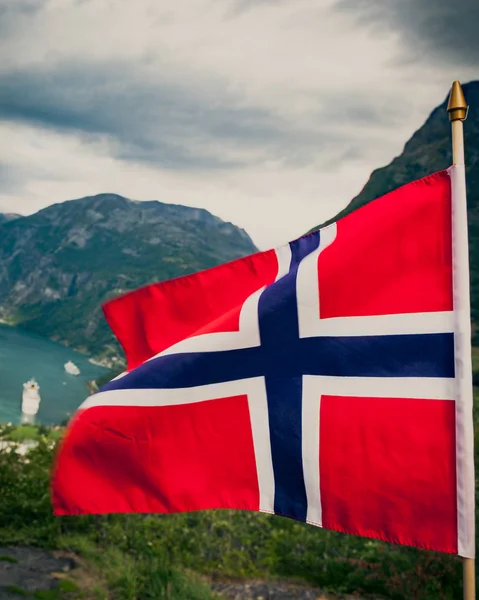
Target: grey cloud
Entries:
(12, 12)
(239, 7)
(363, 110)
(150, 121)
(13, 178)
(12, 8)
(439, 30)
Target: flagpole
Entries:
(457, 109)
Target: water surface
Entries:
(24, 355)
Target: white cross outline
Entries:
(310, 325)
(314, 387)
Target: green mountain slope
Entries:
(58, 265)
(429, 150)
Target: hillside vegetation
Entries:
(59, 265)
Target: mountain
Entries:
(429, 150)
(4, 217)
(58, 265)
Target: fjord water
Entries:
(24, 355)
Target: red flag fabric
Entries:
(317, 381)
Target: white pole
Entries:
(457, 109)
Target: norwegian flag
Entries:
(325, 381)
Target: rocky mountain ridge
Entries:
(58, 265)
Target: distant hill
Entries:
(5, 217)
(429, 150)
(58, 265)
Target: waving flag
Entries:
(317, 381)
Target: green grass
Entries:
(67, 590)
(14, 589)
(48, 595)
(24, 433)
(130, 574)
(6, 558)
(67, 586)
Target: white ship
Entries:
(71, 368)
(30, 400)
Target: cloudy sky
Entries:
(269, 113)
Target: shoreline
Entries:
(105, 363)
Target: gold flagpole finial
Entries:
(457, 107)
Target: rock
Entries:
(30, 569)
(272, 591)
